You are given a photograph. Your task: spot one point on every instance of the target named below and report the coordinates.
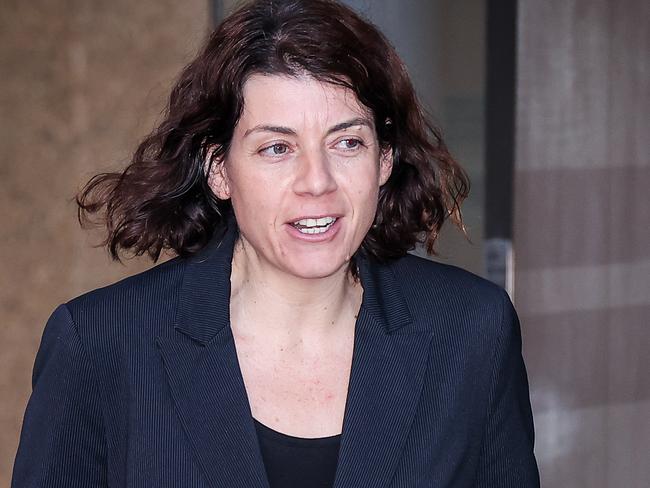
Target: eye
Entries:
(349, 144)
(276, 149)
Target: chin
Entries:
(315, 269)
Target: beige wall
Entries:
(582, 237)
(80, 83)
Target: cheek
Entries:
(248, 189)
(371, 204)
(365, 207)
(257, 203)
(363, 188)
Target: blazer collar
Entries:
(388, 369)
(203, 304)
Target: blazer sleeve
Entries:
(507, 459)
(62, 443)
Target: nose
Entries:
(314, 174)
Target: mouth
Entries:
(314, 225)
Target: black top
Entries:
(296, 462)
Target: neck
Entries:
(268, 303)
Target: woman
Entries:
(292, 342)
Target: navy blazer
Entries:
(138, 385)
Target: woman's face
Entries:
(303, 172)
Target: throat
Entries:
(265, 301)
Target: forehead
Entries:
(296, 101)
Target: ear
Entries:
(385, 165)
(218, 178)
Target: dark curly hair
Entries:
(162, 200)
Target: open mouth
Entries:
(314, 226)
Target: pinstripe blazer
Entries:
(138, 385)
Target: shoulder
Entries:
(151, 285)
(145, 298)
(421, 276)
(449, 295)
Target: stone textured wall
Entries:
(582, 236)
(81, 83)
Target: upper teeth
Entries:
(315, 222)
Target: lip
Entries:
(326, 236)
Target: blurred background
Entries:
(546, 104)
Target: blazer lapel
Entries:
(204, 376)
(388, 368)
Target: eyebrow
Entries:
(362, 121)
(358, 121)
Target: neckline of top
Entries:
(276, 436)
